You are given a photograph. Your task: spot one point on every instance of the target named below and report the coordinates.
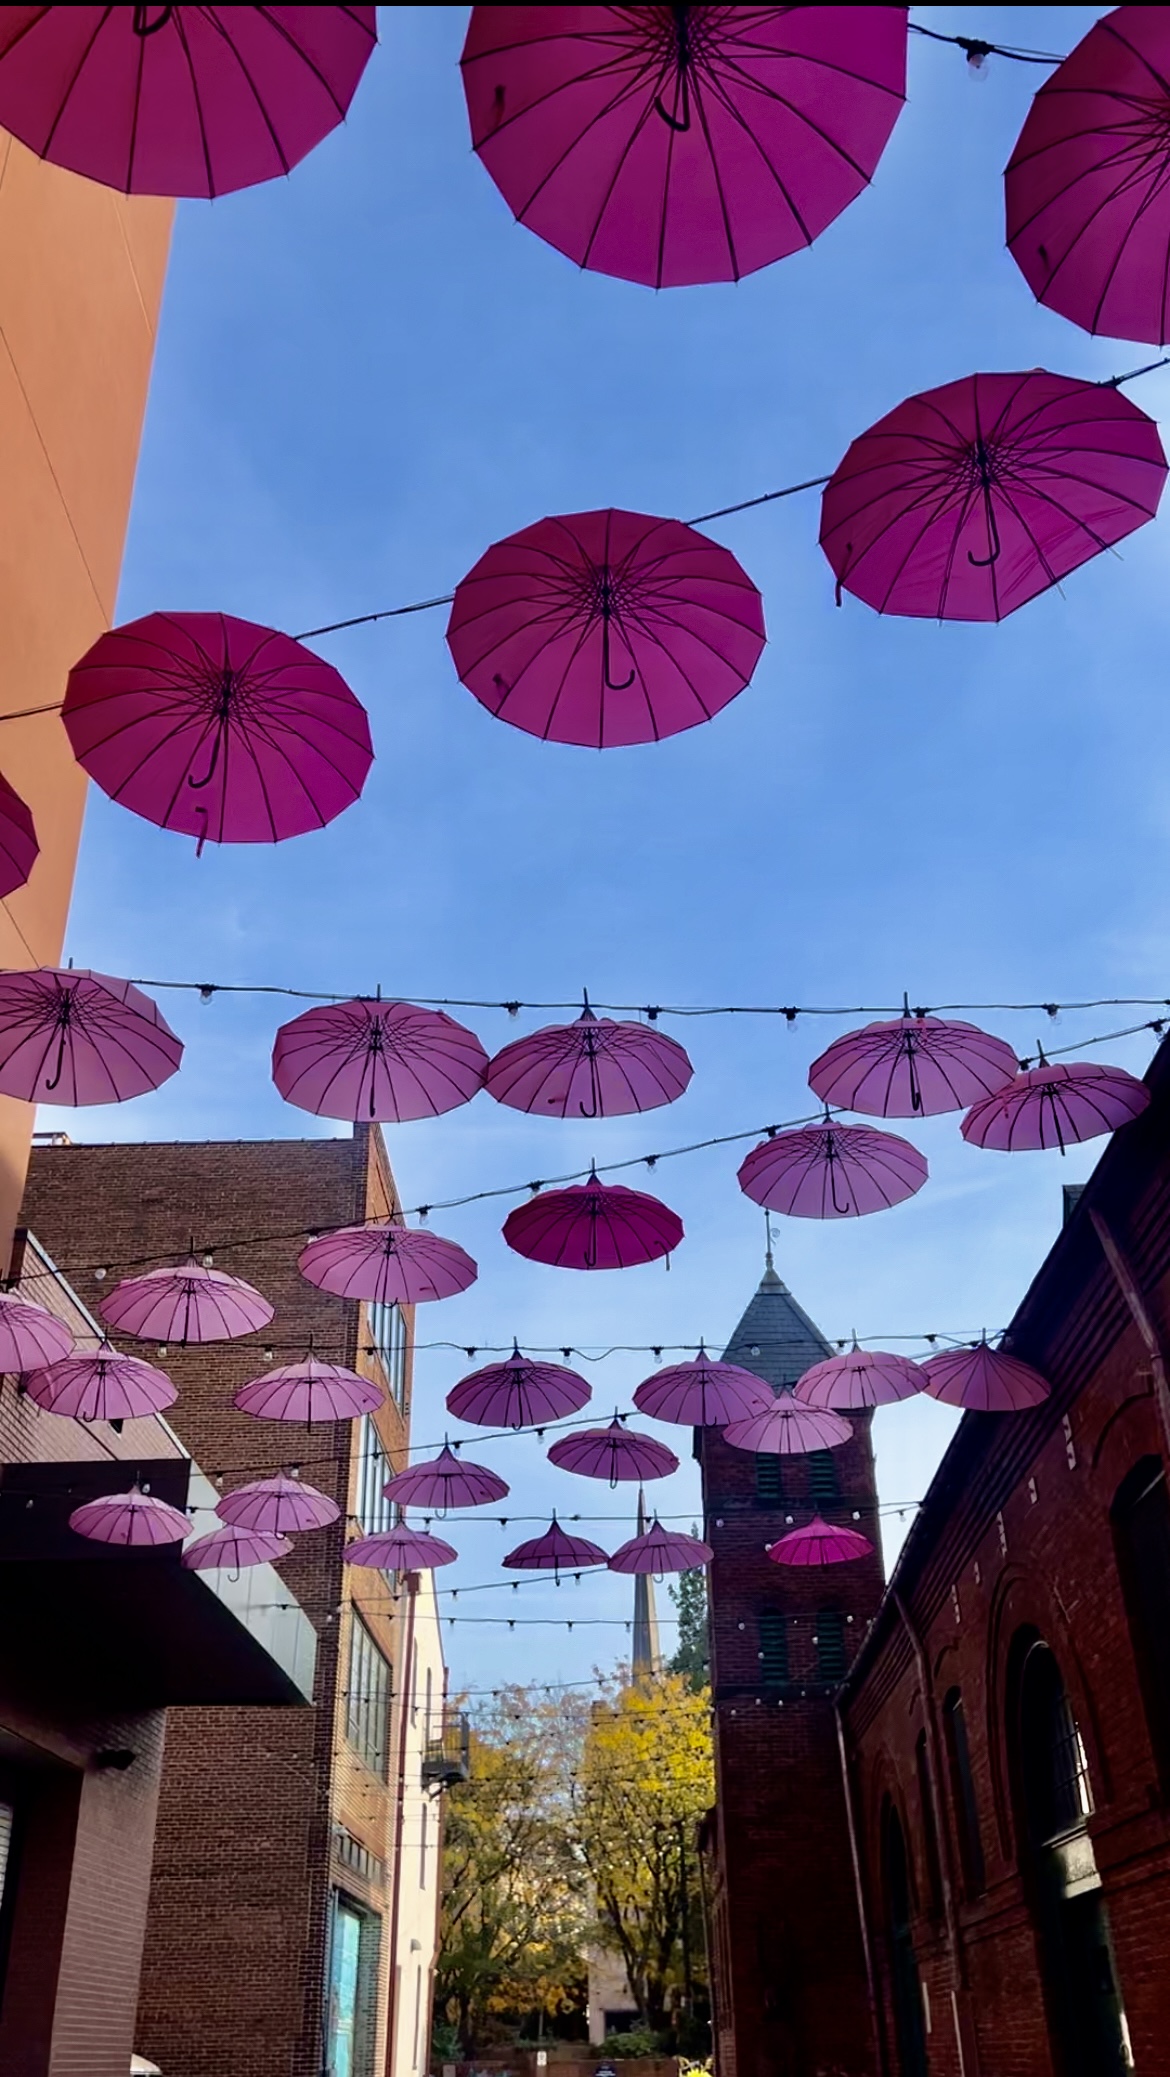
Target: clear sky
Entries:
(368, 373)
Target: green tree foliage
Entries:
(692, 1653)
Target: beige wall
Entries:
(81, 276)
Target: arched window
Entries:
(1055, 1771)
(929, 1828)
(963, 1801)
(1141, 1536)
(909, 2031)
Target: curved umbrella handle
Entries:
(143, 26)
(984, 562)
(611, 684)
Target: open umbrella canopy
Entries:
(370, 1059)
(102, 1386)
(984, 1380)
(702, 1394)
(71, 1036)
(445, 1481)
(595, 1068)
(859, 1377)
(789, 1428)
(912, 1066)
(179, 100)
(31, 1337)
(613, 1453)
(228, 732)
(670, 145)
(593, 1225)
(1055, 1105)
(966, 501)
(401, 1549)
(660, 1550)
(135, 1519)
(554, 1551)
(277, 1507)
(1088, 199)
(18, 840)
(309, 1391)
(820, 1543)
(185, 1302)
(518, 1393)
(832, 1171)
(232, 1548)
(605, 628)
(387, 1264)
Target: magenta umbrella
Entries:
(595, 1068)
(1055, 1105)
(231, 1549)
(788, 1429)
(30, 1336)
(860, 1377)
(682, 144)
(1088, 207)
(18, 840)
(102, 1386)
(179, 100)
(613, 1453)
(71, 1036)
(966, 501)
(375, 1059)
(277, 1507)
(309, 1391)
(553, 1551)
(603, 628)
(702, 1394)
(401, 1549)
(135, 1518)
(912, 1066)
(819, 1543)
(984, 1379)
(445, 1481)
(185, 1302)
(660, 1550)
(593, 1225)
(387, 1264)
(832, 1171)
(228, 732)
(518, 1393)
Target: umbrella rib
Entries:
(204, 141)
(83, 60)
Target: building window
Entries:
(773, 1648)
(905, 1983)
(368, 1700)
(1056, 1772)
(355, 1939)
(929, 1828)
(823, 1483)
(768, 1485)
(832, 1663)
(388, 1338)
(1141, 1535)
(963, 1794)
(374, 1511)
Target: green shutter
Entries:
(822, 1476)
(768, 1478)
(773, 1648)
(831, 1660)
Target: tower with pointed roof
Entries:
(790, 1994)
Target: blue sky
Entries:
(368, 373)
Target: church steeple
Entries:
(645, 1658)
(775, 1339)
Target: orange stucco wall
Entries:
(81, 277)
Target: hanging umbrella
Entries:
(401, 1549)
(102, 1386)
(179, 100)
(553, 1551)
(1088, 207)
(593, 1225)
(832, 1171)
(601, 628)
(984, 1379)
(18, 840)
(595, 1068)
(819, 1543)
(613, 1453)
(225, 731)
(912, 1066)
(134, 1518)
(968, 500)
(660, 1550)
(75, 1037)
(788, 1429)
(702, 1394)
(277, 1507)
(1055, 1105)
(185, 1302)
(387, 1264)
(518, 1393)
(230, 1549)
(30, 1336)
(309, 1391)
(682, 144)
(860, 1377)
(372, 1059)
(445, 1481)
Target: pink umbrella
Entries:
(30, 1336)
(613, 1453)
(594, 1068)
(18, 840)
(912, 1066)
(660, 1550)
(134, 1518)
(518, 1393)
(1055, 1105)
(400, 1550)
(968, 500)
(230, 1549)
(702, 1394)
(1088, 209)
(387, 1264)
(554, 1552)
(984, 1379)
(832, 1171)
(71, 1036)
(445, 1481)
(788, 1429)
(185, 1302)
(179, 100)
(228, 732)
(593, 1225)
(682, 144)
(603, 628)
(277, 1507)
(375, 1059)
(309, 1391)
(860, 1377)
(103, 1386)
(819, 1543)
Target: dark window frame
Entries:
(1140, 1520)
(964, 1802)
(369, 1686)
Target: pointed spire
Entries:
(645, 1657)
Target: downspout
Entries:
(399, 1815)
(862, 1921)
(1128, 1286)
